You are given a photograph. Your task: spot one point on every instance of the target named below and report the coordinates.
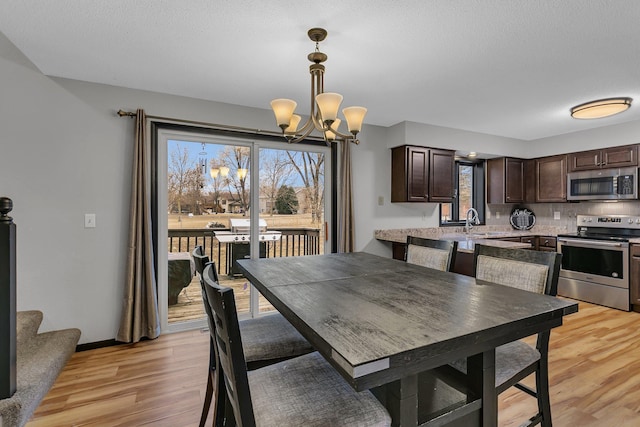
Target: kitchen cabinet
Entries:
(530, 181)
(421, 174)
(551, 179)
(511, 239)
(464, 264)
(634, 276)
(399, 250)
(547, 243)
(532, 240)
(505, 180)
(441, 175)
(612, 157)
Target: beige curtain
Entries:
(140, 303)
(346, 225)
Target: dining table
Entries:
(384, 323)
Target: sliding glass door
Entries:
(207, 191)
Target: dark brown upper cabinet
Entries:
(441, 175)
(505, 180)
(551, 179)
(612, 157)
(421, 174)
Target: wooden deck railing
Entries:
(294, 242)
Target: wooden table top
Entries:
(377, 319)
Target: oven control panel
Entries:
(609, 221)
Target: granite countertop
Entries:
(486, 235)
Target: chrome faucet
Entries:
(470, 221)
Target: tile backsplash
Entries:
(546, 213)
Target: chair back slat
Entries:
(229, 346)
(432, 253)
(551, 260)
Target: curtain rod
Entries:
(214, 126)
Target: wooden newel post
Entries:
(7, 300)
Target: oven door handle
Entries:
(592, 243)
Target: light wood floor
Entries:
(594, 363)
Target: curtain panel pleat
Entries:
(346, 224)
(140, 316)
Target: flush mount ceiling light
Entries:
(601, 108)
(325, 118)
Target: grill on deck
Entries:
(237, 241)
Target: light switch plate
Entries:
(380, 200)
(90, 220)
(556, 215)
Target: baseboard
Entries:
(97, 344)
(101, 344)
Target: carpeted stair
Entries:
(40, 358)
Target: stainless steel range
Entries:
(595, 260)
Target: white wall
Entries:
(64, 153)
(607, 136)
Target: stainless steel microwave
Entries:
(603, 184)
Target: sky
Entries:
(210, 151)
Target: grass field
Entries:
(273, 222)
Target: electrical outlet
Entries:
(556, 215)
(497, 214)
(380, 200)
(90, 220)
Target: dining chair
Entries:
(302, 391)
(532, 271)
(266, 339)
(436, 254)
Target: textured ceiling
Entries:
(503, 67)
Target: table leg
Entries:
(481, 371)
(402, 401)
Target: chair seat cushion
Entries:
(511, 358)
(271, 337)
(307, 391)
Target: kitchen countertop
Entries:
(486, 235)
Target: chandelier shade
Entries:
(293, 124)
(330, 135)
(355, 117)
(328, 104)
(283, 109)
(324, 106)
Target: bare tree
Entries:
(184, 179)
(310, 167)
(237, 158)
(275, 172)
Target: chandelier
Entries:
(325, 117)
